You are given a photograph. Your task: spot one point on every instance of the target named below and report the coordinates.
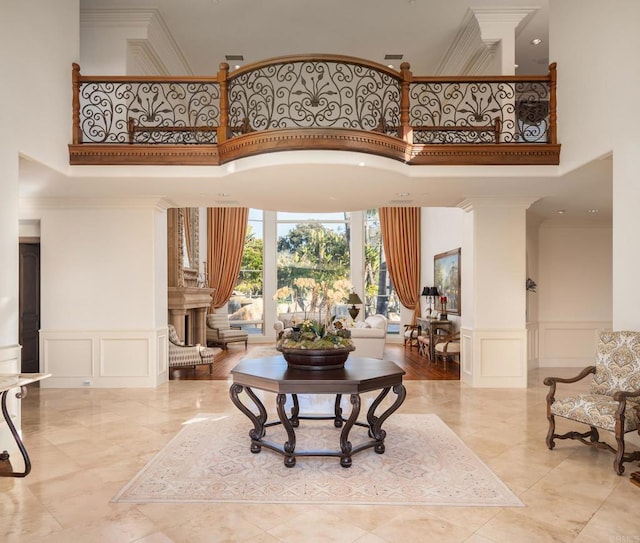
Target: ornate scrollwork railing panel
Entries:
(517, 105)
(314, 94)
(106, 107)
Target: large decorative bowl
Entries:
(316, 359)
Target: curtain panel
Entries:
(226, 234)
(400, 228)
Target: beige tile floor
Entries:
(86, 443)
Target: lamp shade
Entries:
(425, 291)
(433, 291)
(354, 299)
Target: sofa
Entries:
(369, 336)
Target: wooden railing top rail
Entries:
(336, 59)
(313, 102)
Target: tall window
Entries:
(246, 308)
(313, 263)
(380, 296)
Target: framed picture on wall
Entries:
(446, 273)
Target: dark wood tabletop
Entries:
(358, 375)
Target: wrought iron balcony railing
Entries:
(302, 102)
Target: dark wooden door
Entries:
(29, 306)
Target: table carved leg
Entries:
(4, 455)
(345, 444)
(290, 444)
(337, 411)
(295, 411)
(258, 431)
(375, 423)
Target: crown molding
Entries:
(161, 52)
(466, 46)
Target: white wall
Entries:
(574, 292)
(441, 231)
(579, 41)
(34, 124)
(103, 292)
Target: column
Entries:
(493, 329)
(498, 30)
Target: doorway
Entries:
(29, 306)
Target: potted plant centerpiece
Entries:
(314, 345)
(321, 342)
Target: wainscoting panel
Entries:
(466, 352)
(163, 354)
(498, 358)
(10, 363)
(104, 358)
(533, 339)
(121, 357)
(569, 344)
(68, 356)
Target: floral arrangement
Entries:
(319, 329)
(312, 334)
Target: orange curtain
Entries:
(400, 228)
(227, 231)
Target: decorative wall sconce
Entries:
(531, 285)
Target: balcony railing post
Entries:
(75, 104)
(223, 129)
(553, 135)
(407, 79)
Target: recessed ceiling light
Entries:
(223, 194)
(402, 194)
(536, 41)
(593, 211)
(560, 211)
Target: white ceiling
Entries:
(422, 30)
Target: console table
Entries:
(359, 375)
(7, 383)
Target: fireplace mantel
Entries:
(188, 312)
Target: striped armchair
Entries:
(612, 402)
(181, 355)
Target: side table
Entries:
(9, 382)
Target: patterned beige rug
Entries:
(425, 463)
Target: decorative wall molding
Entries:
(157, 49)
(494, 358)
(10, 361)
(467, 54)
(103, 358)
(569, 344)
(312, 139)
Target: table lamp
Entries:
(353, 300)
(433, 292)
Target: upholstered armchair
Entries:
(612, 401)
(181, 355)
(220, 332)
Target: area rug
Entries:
(425, 463)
